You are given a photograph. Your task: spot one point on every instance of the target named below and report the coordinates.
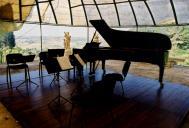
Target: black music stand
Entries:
(27, 58)
(56, 52)
(53, 67)
(53, 53)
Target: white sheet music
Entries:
(64, 62)
(77, 56)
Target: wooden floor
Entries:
(144, 104)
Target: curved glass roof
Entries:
(117, 13)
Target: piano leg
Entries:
(161, 72)
(103, 67)
(92, 67)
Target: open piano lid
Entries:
(130, 39)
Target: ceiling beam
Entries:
(149, 10)
(71, 16)
(85, 12)
(117, 13)
(54, 14)
(174, 12)
(97, 9)
(133, 13)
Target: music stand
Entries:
(53, 66)
(27, 58)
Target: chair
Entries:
(98, 98)
(42, 57)
(16, 61)
(121, 77)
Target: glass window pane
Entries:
(46, 13)
(88, 1)
(33, 16)
(121, 0)
(125, 14)
(109, 14)
(162, 11)
(92, 12)
(75, 2)
(79, 16)
(104, 1)
(142, 13)
(62, 12)
(182, 10)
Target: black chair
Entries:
(99, 96)
(16, 61)
(121, 77)
(42, 57)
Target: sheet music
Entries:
(64, 62)
(77, 56)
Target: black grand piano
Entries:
(130, 46)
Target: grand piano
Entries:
(130, 46)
